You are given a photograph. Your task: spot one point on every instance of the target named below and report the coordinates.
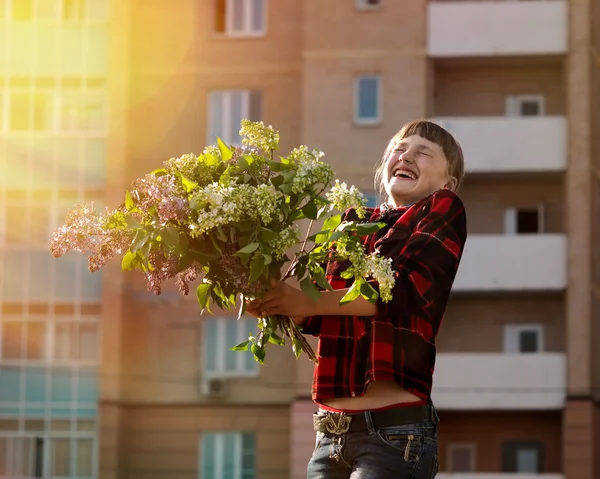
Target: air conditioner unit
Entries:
(214, 387)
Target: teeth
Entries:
(401, 172)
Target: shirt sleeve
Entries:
(425, 258)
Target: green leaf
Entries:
(170, 236)
(297, 347)
(274, 165)
(368, 292)
(188, 185)
(132, 223)
(226, 153)
(268, 258)
(141, 237)
(276, 339)
(286, 188)
(259, 353)
(242, 309)
(310, 289)
(277, 181)
(267, 234)
(243, 346)
(160, 172)
(203, 293)
(362, 229)
(257, 266)
(129, 204)
(332, 222)
(248, 249)
(319, 277)
(352, 294)
(346, 275)
(297, 214)
(221, 234)
(129, 261)
(310, 210)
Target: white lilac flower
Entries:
(310, 170)
(256, 134)
(286, 239)
(185, 164)
(343, 198)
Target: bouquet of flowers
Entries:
(227, 219)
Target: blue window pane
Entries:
(257, 15)
(9, 411)
(61, 412)
(208, 456)
(35, 385)
(10, 384)
(368, 98)
(248, 455)
(229, 456)
(35, 411)
(238, 14)
(91, 283)
(371, 200)
(210, 345)
(66, 276)
(12, 279)
(62, 385)
(96, 57)
(215, 116)
(87, 387)
(87, 412)
(94, 174)
(231, 339)
(41, 272)
(236, 114)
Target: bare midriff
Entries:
(379, 394)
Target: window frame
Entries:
(247, 15)
(370, 121)
(512, 332)
(222, 349)
(58, 17)
(226, 117)
(510, 450)
(513, 104)
(219, 437)
(471, 447)
(511, 219)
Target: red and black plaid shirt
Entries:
(425, 241)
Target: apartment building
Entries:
(101, 379)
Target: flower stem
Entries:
(295, 260)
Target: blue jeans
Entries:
(394, 452)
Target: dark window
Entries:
(522, 457)
(529, 342)
(528, 221)
(530, 108)
(220, 8)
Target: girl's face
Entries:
(416, 168)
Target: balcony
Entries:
(494, 475)
(535, 262)
(510, 144)
(499, 381)
(488, 28)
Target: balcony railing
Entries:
(487, 28)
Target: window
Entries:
(367, 100)
(227, 109)
(371, 200)
(524, 220)
(523, 338)
(368, 4)
(461, 457)
(67, 10)
(24, 457)
(61, 111)
(238, 18)
(227, 456)
(220, 334)
(31, 112)
(525, 105)
(522, 457)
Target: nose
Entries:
(405, 157)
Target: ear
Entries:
(451, 184)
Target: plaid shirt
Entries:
(425, 241)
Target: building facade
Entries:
(101, 379)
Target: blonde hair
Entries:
(432, 132)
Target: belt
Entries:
(340, 422)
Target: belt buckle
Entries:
(336, 422)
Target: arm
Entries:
(425, 264)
